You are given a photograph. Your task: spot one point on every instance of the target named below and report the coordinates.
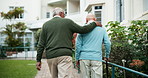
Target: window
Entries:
(2, 38)
(11, 8)
(98, 15)
(48, 15)
(21, 16)
(98, 7)
(145, 5)
(65, 12)
(98, 12)
(120, 10)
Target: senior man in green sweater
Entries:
(56, 40)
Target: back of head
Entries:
(90, 16)
(58, 11)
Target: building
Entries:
(32, 13)
(39, 11)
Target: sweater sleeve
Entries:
(107, 44)
(82, 29)
(41, 45)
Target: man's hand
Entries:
(38, 65)
(77, 63)
(98, 23)
(106, 59)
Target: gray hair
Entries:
(57, 11)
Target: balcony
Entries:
(91, 3)
(76, 17)
(57, 2)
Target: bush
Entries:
(129, 43)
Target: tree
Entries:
(120, 49)
(138, 35)
(37, 35)
(14, 31)
(12, 14)
(130, 43)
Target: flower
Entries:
(137, 63)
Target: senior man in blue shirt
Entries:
(89, 50)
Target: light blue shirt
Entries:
(89, 46)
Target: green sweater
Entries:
(56, 37)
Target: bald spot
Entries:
(90, 17)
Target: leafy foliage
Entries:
(14, 31)
(37, 35)
(130, 43)
(12, 14)
(120, 48)
(138, 35)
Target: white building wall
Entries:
(76, 10)
(137, 8)
(73, 6)
(73, 11)
(83, 13)
(32, 12)
(128, 9)
(45, 7)
(37, 9)
(132, 9)
(108, 9)
(32, 8)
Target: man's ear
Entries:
(86, 20)
(60, 13)
(95, 19)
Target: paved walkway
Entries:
(44, 72)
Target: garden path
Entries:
(44, 72)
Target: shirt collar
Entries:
(90, 21)
(57, 16)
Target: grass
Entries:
(17, 69)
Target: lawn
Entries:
(17, 69)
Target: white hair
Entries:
(57, 11)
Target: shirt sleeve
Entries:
(78, 46)
(82, 29)
(41, 45)
(107, 44)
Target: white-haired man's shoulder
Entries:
(101, 28)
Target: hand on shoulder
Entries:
(98, 23)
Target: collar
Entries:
(57, 16)
(90, 21)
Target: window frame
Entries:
(47, 14)
(20, 16)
